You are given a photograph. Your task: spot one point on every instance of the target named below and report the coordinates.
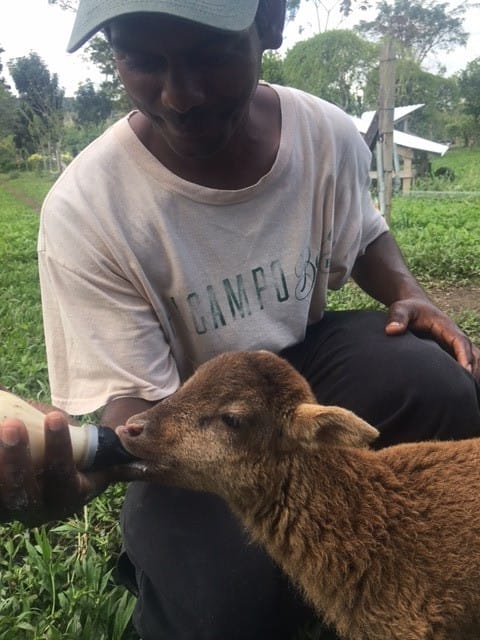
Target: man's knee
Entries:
(406, 386)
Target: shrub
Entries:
(35, 162)
(8, 155)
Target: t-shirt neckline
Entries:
(147, 163)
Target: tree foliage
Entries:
(2, 80)
(333, 65)
(414, 85)
(344, 6)
(340, 66)
(272, 68)
(101, 55)
(419, 27)
(7, 105)
(469, 81)
(40, 100)
(8, 112)
(91, 106)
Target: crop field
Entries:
(58, 580)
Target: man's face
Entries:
(193, 83)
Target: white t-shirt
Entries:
(144, 275)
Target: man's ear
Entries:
(270, 21)
(314, 424)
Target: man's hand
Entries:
(382, 273)
(421, 316)
(58, 490)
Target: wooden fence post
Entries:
(386, 106)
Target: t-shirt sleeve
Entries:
(357, 223)
(102, 337)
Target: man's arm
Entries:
(118, 411)
(382, 273)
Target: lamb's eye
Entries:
(231, 420)
(204, 421)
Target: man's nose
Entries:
(182, 89)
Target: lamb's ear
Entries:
(314, 424)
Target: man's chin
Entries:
(200, 149)
(192, 146)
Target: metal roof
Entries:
(401, 138)
(399, 113)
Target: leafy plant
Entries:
(58, 583)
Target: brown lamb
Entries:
(384, 544)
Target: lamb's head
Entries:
(234, 419)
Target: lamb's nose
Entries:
(133, 429)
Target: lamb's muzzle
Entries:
(132, 429)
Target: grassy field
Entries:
(463, 163)
(57, 581)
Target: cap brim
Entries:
(227, 15)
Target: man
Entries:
(214, 217)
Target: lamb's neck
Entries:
(310, 511)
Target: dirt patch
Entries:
(32, 203)
(456, 299)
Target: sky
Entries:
(34, 25)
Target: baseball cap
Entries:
(228, 15)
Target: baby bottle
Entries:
(94, 447)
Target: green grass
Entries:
(439, 238)
(464, 163)
(22, 357)
(32, 185)
(57, 581)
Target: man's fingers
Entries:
(398, 319)
(58, 447)
(60, 478)
(19, 490)
(462, 351)
(50, 490)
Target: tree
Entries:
(462, 129)
(418, 27)
(99, 52)
(414, 85)
(91, 107)
(40, 123)
(7, 105)
(101, 55)
(469, 82)
(272, 68)
(2, 80)
(333, 65)
(8, 112)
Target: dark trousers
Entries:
(198, 576)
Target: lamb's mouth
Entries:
(140, 466)
(146, 462)
(144, 470)
(142, 454)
